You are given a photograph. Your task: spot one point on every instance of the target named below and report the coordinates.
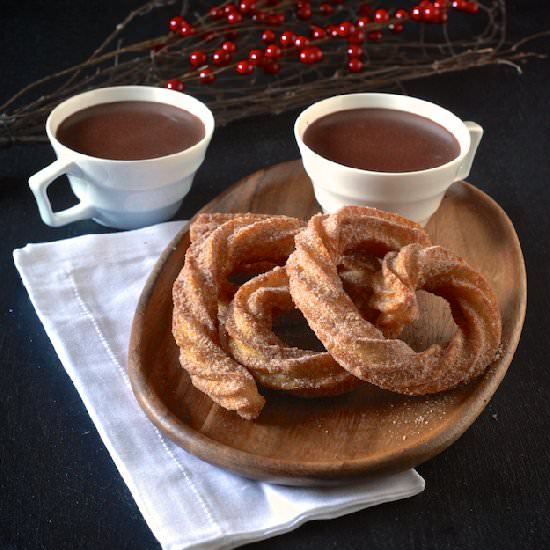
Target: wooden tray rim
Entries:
(263, 467)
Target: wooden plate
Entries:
(298, 441)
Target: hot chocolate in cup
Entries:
(126, 188)
(412, 188)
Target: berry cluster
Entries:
(181, 26)
(274, 46)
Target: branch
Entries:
(387, 64)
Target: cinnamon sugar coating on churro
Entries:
(202, 289)
(357, 344)
(273, 363)
(354, 276)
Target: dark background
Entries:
(58, 486)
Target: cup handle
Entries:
(476, 133)
(39, 184)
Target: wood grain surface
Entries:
(296, 441)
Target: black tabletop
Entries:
(58, 486)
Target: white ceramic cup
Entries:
(415, 195)
(125, 194)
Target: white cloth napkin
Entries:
(85, 291)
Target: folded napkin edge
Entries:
(119, 463)
(88, 239)
(417, 486)
(142, 501)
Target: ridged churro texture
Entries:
(303, 372)
(201, 292)
(354, 276)
(357, 344)
(273, 363)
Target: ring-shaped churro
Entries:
(200, 289)
(357, 344)
(273, 363)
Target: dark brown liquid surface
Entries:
(130, 130)
(382, 140)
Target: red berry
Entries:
(247, 6)
(304, 12)
(244, 67)
(436, 14)
(355, 51)
(197, 58)
(427, 14)
(206, 76)
(425, 4)
(276, 18)
(175, 84)
(317, 33)
(186, 30)
(416, 14)
(345, 28)
(175, 23)
(444, 4)
(332, 30)
(375, 36)
(444, 17)
(215, 13)
(301, 41)
(229, 46)
(471, 7)
(255, 57)
(220, 57)
(396, 27)
(363, 21)
(364, 10)
(271, 67)
(355, 65)
(401, 14)
(272, 51)
(317, 52)
(310, 55)
(381, 16)
(287, 39)
(307, 56)
(326, 9)
(234, 17)
(356, 37)
(268, 36)
(259, 17)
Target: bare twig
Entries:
(387, 65)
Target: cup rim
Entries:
(207, 118)
(458, 159)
